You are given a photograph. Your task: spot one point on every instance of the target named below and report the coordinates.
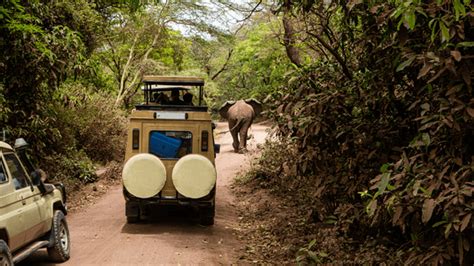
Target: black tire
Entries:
(207, 215)
(5, 254)
(61, 245)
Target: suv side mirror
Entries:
(39, 177)
(20, 143)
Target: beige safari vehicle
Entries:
(32, 213)
(170, 150)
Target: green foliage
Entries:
(73, 171)
(307, 256)
(78, 130)
(257, 65)
(96, 126)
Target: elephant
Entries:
(240, 115)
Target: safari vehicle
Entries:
(170, 151)
(32, 213)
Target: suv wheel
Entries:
(60, 246)
(207, 215)
(5, 254)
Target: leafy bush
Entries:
(72, 171)
(392, 119)
(89, 130)
(99, 127)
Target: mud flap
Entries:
(132, 209)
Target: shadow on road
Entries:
(169, 220)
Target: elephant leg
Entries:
(234, 132)
(243, 135)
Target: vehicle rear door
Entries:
(169, 140)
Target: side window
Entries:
(18, 173)
(3, 173)
(170, 144)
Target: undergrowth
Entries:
(77, 131)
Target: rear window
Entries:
(170, 144)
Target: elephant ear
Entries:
(256, 105)
(224, 108)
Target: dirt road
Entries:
(101, 236)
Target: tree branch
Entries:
(289, 36)
(336, 55)
(223, 66)
(125, 71)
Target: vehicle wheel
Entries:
(5, 254)
(61, 245)
(207, 215)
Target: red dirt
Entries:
(101, 236)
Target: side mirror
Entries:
(20, 143)
(39, 177)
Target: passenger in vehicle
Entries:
(160, 98)
(175, 100)
(188, 99)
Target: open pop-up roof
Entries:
(152, 84)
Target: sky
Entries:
(219, 16)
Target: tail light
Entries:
(135, 138)
(204, 140)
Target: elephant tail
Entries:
(237, 125)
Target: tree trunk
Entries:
(289, 39)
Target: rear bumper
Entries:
(179, 199)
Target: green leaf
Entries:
(445, 37)
(384, 168)
(465, 44)
(410, 19)
(397, 12)
(439, 223)
(459, 9)
(447, 231)
(433, 29)
(404, 64)
(425, 137)
(383, 184)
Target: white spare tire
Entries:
(194, 176)
(144, 175)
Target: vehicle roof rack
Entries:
(173, 80)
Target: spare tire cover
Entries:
(194, 176)
(144, 175)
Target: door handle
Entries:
(22, 199)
